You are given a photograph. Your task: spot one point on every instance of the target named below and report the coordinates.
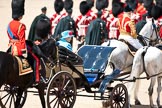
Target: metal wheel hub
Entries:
(118, 98)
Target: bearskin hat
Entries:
(140, 1)
(90, 3)
(68, 5)
(84, 7)
(159, 3)
(128, 9)
(117, 8)
(132, 3)
(101, 4)
(43, 28)
(148, 4)
(58, 6)
(155, 12)
(116, 1)
(17, 8)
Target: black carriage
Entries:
(85, 69)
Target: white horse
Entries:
(149, 32)
(149, 60)
(121, 58)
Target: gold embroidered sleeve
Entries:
(133, 29)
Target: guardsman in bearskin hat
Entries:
(56, 17)
(101, 5)
(91, 13)
(82, 22)
(138, 9)
(32, 35)
(127, 28)
(97, 31)
(117, 11)
(66, 22)
(16, 33)
(68, 6)
(16, 29)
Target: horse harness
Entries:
(152, 42)
(147, 75)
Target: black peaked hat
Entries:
(84, 7)
(58, 6)
(17, 8)
(68, 5)
(43, 28)
(44, 8)
(101, 4)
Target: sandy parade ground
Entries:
(32, 9)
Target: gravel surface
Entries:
(32, 9)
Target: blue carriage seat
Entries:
(95, 59)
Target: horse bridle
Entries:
(51, 63)
(149, 40)
(157, 37)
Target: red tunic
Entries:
(16, 34)
(126, 25)
(105, 15)
(113, 28)
(91, 14)
(160, 26)
(82, 23)
(55, 19)
(140, 9)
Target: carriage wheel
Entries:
(61, 91)
(8, 96)
(119, 96)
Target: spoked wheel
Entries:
(119, 96)
(61, 91)
(8, 96)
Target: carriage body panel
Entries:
(95, 60)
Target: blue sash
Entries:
(10, 33)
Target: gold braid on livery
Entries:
(133, 29)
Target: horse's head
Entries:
(49, 49)
(149, 33)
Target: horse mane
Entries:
(49, 47)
